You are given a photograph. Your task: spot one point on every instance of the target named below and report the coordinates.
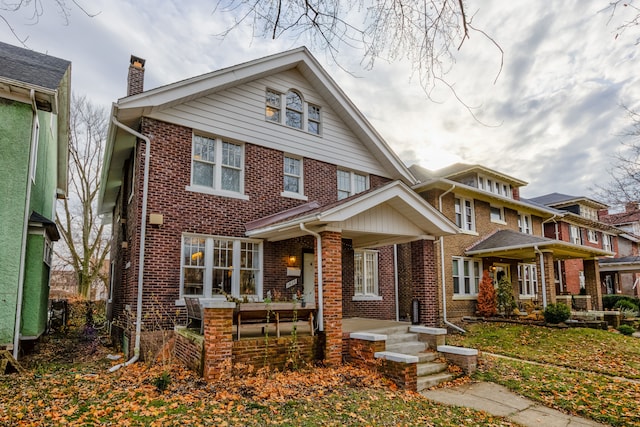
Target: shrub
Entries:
(608, 301)
(486, 306)
(556, 313)
(162, 381)
(505, 299)
(625, 304)
(626, 329)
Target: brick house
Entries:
(500, 232)
(623, 271)
(254, 180)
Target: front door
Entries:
(308, 278)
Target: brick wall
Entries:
(279, 353)
(425, 287)
(404, 375)
(189, 349)
(332, 295)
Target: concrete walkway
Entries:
(497, 400)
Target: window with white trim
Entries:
(592, 236)
(220, 265)
(465, 217)
(350, 183)
(293, 176)
(528, 280)
(494, 186)
(365, 268)
(524, 223)
(496, 214)
(298, 113)
(48, 251)
(217, 165)
(466, 276)
(606, 242)
(575, 235)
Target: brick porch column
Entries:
(425, 286)
(549, 277)
(332, 295)
(592, 282)
(218, 338)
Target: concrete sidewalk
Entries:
(497, 400)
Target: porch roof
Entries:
(629, 264)
(515, 245)
(382, 216)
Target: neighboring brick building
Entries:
(499, 232)
(254, 180)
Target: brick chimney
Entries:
(515, 192)
(135, 79)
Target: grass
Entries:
(587, 372)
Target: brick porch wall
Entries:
(332, 295)
(592, 282)
(423, 273)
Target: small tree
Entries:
(486, 297)
(506, 300)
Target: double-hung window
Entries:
(217, 166)
(221, 265)
(524, 223)
(293, 185)
(592, 236)
(606, 242)
(272, 110)
(574, 233)
(497, 214)
(465, 217)
(466, 276)
(365, 267)
(528, 280)
(350, 183)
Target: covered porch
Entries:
(507, 248)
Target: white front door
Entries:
(308, 278)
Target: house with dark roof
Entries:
(499, 232)
(624, 270)
(34, 134)
(578, 223)
(257, 183)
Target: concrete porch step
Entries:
(433, 380)
(401, 338)
(392, 330)
(427, 356)
(429, 368)
(411, 348)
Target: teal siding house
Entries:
(34, 146)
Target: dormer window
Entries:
(496, 187)
(298, 114)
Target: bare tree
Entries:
(631, 16)
(427, 33)
(625, 173)
(85, 236)
(34, 9)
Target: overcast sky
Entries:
(553, 118)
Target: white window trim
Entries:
(521, 222)
(217, 171)
(592, 236)
(498, 187)
(607, 243)
(497, 221)
(352, 177)
(463, 221)
(208, 266)
(533, 280)
(291, 194)
(369, 296)
(575, 238)
(305, 111)
(463, 295)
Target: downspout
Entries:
(23, 244)
(143, 234)
(444, 287)
(542, 278)
(319, 266)
(395, 280)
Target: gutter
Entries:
(143, 235)
(319, 267)
(25, 231)
(444, 288)
(395, 281)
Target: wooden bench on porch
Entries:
(260, 312)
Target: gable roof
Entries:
(381, 216)
(130, 109)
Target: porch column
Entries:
(425, 284)
(218, 338)
(549, 278)
(592, 282)
(332, 295)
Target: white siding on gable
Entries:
(239, 114)
(382, 219)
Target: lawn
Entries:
(67, 384)
(587, 372)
